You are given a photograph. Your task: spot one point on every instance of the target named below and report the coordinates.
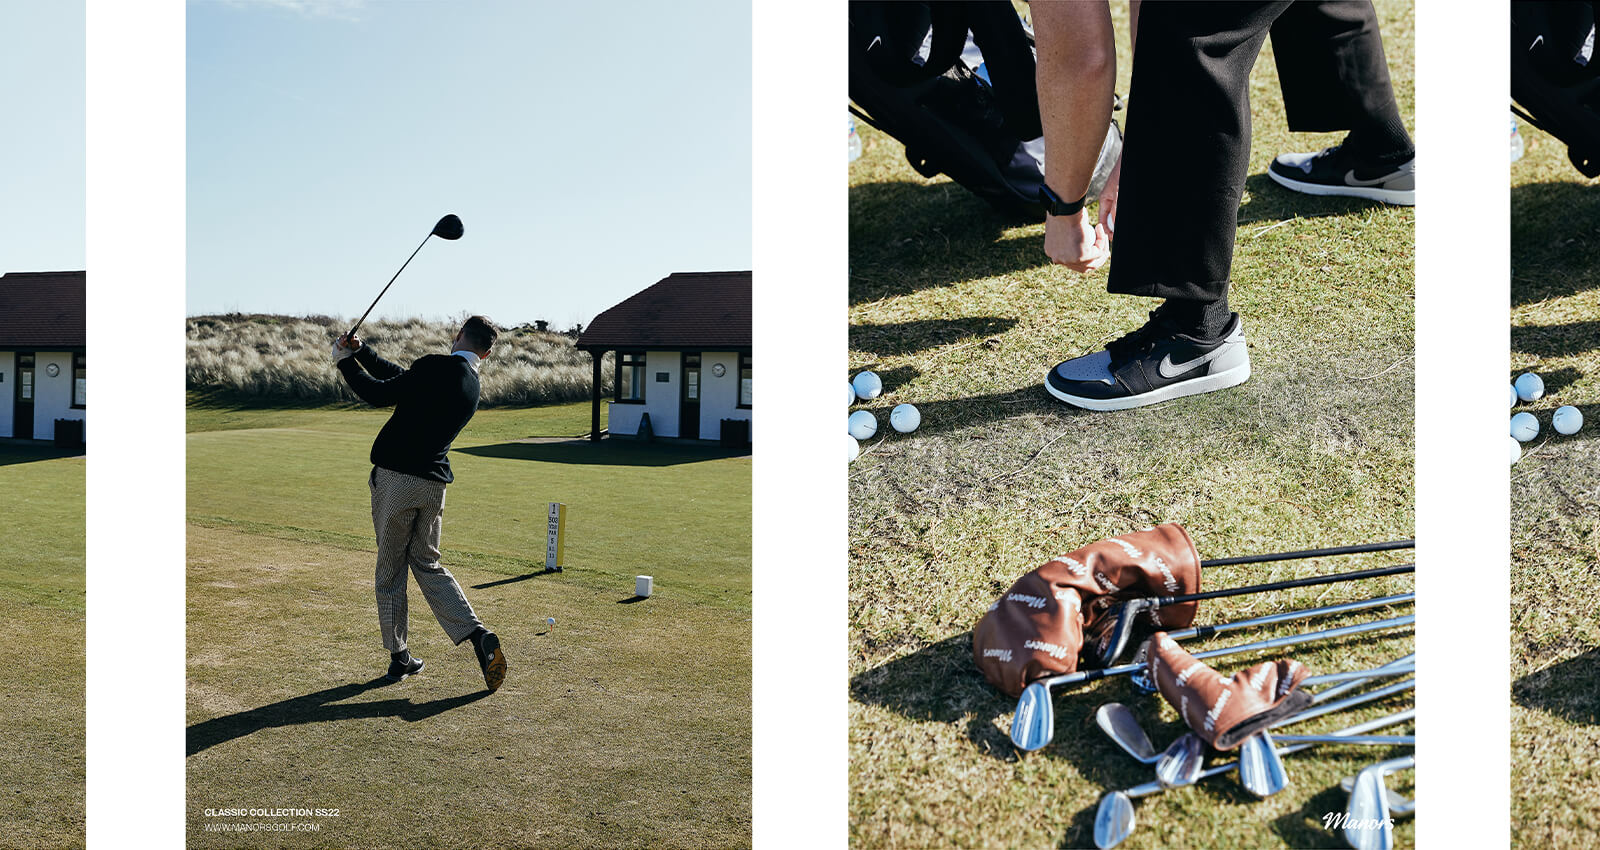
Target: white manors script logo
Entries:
(1002, 654)
(1132, 551)
(1057, 652)
(1030, 601)
(1170, 580)
(1075, 566)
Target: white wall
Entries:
(52, 397)
(662, 399)
(8, 391)
(719, 397)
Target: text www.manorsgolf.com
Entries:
(262, 827)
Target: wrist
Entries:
(1055, 206)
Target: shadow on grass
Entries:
(1569, 690)
(1566, 340)
(609, 452)
(1555, 241)
(897, 338)
(939, 683)
(317, 708)
(1266, 201)
(18, 451)
(515, 579)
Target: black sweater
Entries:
(433, 401)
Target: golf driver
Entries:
(1034, 723)
(1310, 553)
(1125, 613)
(1367, 825)
(448, 227)
(1114, 819)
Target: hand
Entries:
(1071, 242)
(1108, 199)
(345, 346)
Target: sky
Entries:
(589, 149)
(42, 146)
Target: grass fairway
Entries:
(625, 726)
(962, 315)
(42, 592)
(1555, 501)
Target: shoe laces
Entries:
(1141, 339)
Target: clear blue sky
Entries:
(590, 149)
(42, 144)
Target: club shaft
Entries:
(1360, 675)
(1290, 616)
(1152, 788)
(1358, 740)
(386, 286)
(1325, 708)
(1335, 578)
(1310, 553)
(1322, 696)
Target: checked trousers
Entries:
(408, 516)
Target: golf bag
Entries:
(1037, 628)
(1225, 711)
(1553, 79)
(954, 83)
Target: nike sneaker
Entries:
(1338, 172)
(400, 669)
(1153, 364)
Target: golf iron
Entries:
(1367, 824)
(448, 227)
(1033, 725)
(1204, 632)
(1399, 807)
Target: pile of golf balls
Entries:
(863, 424)
(1566, 420)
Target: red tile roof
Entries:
(43, 310)
(685, 310)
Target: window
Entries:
(24, 377)
(80, 372)
(691, 377)
(744, 380)
(630, 376)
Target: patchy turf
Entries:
(1555, 500)
(42, 593)
(962, 315)
(626, 725)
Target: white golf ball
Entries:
(852, 389)
(1524, 426)
(1567, 420)
(550, 621)
(905, 418)
(855, 448)
(1516, 450)
(1530, 387)
(1513, 395)
(867, 385)
(863, 424)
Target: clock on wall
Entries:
(52, 370)
(718, 369)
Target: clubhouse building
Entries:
(43, 370)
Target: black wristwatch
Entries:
(1055, 206)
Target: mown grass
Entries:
(265, 359)
(627, 725)
(1555, 501)
(42, 592)
(960, 312)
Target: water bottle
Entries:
(855, 141)
(1516, 141)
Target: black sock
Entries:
(1203, 319)
(1382, 141)
(477, 633)
(402, 657)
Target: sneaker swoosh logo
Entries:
(1168, 369)
(1350, 179)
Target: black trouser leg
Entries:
(1335, 76)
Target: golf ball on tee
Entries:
(855, 448)
(1530, 387)
(905, 418)
(1516, 450)
(863, 424)
(867, 385)
(852, 388)
(1567, 420)
(1524, 426)
(550, 621)
(1513, 395)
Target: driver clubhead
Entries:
(1367, 816)
(1113, 641)
(1261, 770)
(449, 227)
(1119, 724)
(1034, 724)
(1113, 821)
(1181, 764)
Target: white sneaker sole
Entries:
(1398, 197)
(1210, 383)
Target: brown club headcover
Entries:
(1036, 628)
(1224, 711)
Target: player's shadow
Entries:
(515, 579)
(1559, 340)
(1570, 689)
(318, 707)
(1555, 240)
(897, 338)
(1267, 202)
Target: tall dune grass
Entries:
(287, 358)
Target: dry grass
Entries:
(961, 314)
(1555, 501)
(269, 358)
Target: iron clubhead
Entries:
(1367, 824)
(449, 227)
(1181, 764)
(1034, 724)
(1399, 806)
(1113, 821)
(1261, 770)
(1119, 724)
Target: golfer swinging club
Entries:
(433, 401)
